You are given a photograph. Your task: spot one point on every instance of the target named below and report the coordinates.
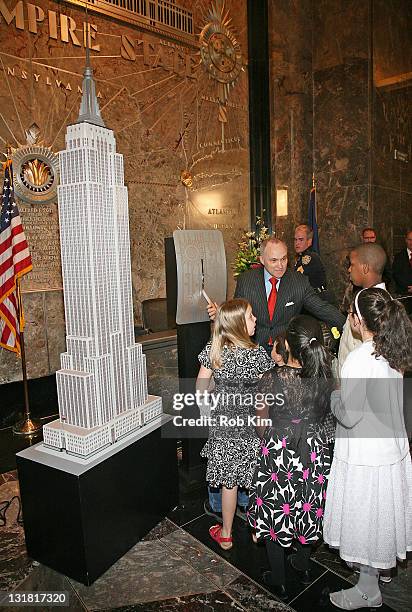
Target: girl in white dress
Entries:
(368, 513)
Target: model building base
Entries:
(79, 519)
(89, 443)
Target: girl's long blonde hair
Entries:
(230, 329)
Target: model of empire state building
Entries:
(102, 384)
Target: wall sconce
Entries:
(281, 202)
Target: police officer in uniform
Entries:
(308, 262)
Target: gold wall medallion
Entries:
(36, 173)
(186, 178)
(219, 49)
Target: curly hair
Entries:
(391, 327)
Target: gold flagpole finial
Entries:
(313, 180)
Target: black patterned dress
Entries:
(288, 492)
(233, 444)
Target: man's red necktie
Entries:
(272, 302)
(272, 297)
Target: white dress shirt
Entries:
(268, 284)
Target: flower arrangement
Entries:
(247, 255)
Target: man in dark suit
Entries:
(402, 272)
(276, 294)
(288, 290)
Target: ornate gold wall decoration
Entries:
(186, 178)
(219, 49)
(36, 173)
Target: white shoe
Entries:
(343, 602)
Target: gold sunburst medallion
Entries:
(219, 49)
(36, 173)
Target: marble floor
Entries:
(176, 567)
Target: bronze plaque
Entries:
(41, 226)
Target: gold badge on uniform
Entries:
(306, 259)
(300, 269)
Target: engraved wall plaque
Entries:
(193, 246)
(41, 226)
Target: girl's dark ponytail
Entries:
(305, 339)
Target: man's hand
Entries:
(212, 310)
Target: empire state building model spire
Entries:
(102, 384)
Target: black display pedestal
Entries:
(191, 339)
(81, 518)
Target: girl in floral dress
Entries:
(236, 363)
(288, 491)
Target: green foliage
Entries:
(248, 248)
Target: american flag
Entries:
(15, 261)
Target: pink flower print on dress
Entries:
(307, 507)
(272, 534)
(265, 451)
(274, 477)
(302, 539)
(313, 456)
(306, 474)
(283, 442)
(259, 501)
(289, 476)
(321, 478)
(319, 512)
(286, 509)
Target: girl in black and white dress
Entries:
(236, 363)
(288, 491)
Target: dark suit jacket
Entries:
(295, 293)
(402, 272)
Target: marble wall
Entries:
(342, 70)
(290, 41)
(44, 337)
(392, 121)
(342, 118)
(163, 105)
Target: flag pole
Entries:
(28, 426)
